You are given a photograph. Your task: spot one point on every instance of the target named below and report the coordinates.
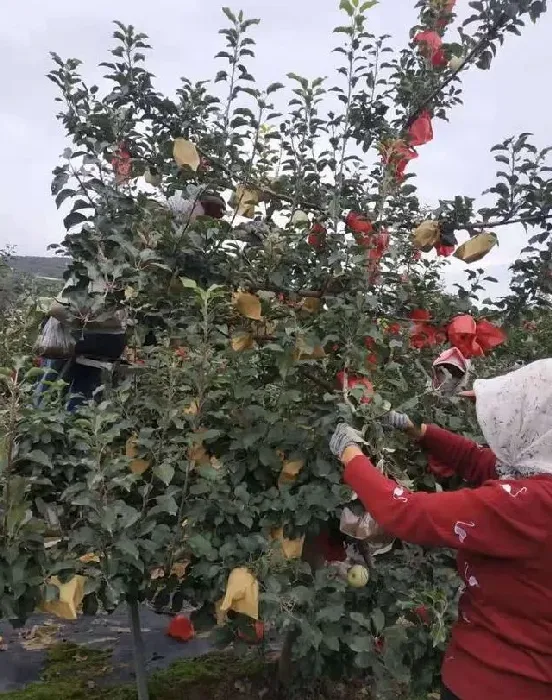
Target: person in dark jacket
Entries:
(99, 337)
(501, 646)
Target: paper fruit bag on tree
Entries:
(364, 528)
(69, 600)
(241, 595)
(476, 248)
(426, 235)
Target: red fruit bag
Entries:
(181, 628)
(489, 336)
(462, 334)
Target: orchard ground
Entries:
(91, 659)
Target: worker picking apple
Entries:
(500, 524)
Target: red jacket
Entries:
(501, 646)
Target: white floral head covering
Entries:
(514, 412)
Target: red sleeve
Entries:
(466, 458)
(498, 519)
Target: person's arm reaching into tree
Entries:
(466, 458)
(488, 520)
(475, 464)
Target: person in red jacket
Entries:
(501, 646)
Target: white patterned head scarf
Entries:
(515, 414)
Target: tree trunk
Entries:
(138, 651)
(285, 663)
(315, 559)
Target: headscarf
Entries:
(514, 412)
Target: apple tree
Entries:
(277, 272)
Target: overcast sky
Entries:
(295, 35)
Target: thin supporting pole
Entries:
(138, 651)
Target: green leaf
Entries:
(188, 283)
(250, 23)
(378, 620)
(484, 62)
(323, 466)
(332, 643)
(537, 9)
(34, 373)
(268, 456)
(63, 195)
(73, 219)
(360, 643)
(237, 122)
(39, 457)
(273, 87)
(302, 594)
(231, 16)
(360, 619)
(82, 204)
(408, 189)
(332, 613)
(165, 472)
(347, 6)
(127, 547)
(364, 659)
(502, 189)
(299, 79)
(17, 516)
(201, 547)
(211, 434)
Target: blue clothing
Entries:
(82, 381)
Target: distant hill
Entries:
(52, 268)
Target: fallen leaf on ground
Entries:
(39, 637)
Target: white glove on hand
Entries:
(399, 421)
(343, 437)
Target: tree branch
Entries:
(477, 49)
(521, 220)
(254, 185)
(313, 377)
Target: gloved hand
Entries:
(399, 421)
(343, 437)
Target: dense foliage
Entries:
(258, 329)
